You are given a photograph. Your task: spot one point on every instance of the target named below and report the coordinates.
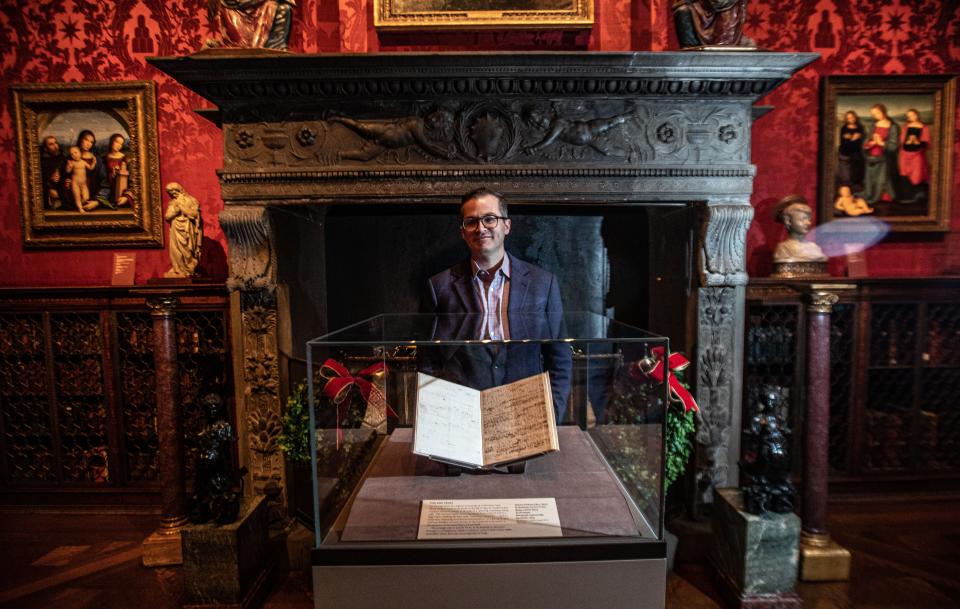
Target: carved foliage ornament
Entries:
(714, 133)
(714, 374)
(261, 372)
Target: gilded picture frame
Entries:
(886, 150)
(438, 15)
(87, 160)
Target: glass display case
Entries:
(455, 471)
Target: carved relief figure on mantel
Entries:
(186, 232)
(575, 133)
(702, 24)
(250, 24)
(795, 256)
(398, 134)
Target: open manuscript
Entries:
(504, 424)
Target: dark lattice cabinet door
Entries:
(889, 403)
(911, 416)
(939, 421)
(27, 423)
(136, 380)
(80, 398)
(78, 390)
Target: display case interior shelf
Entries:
(77, 397)
(894, 378)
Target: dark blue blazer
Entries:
(535, 311)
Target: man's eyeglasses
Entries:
(489, 221)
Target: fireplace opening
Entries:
(386, 254)
(356, 261)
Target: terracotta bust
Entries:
(797, 216)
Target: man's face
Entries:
(51, 146)
(481, 240)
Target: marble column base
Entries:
(755, 557)
(823, 560)
(228, 566)
(162, 548)
(732, 598)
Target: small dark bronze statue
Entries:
(766, 460)
(216, 490)
(711, 23)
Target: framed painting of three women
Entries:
(887, 150)
(88, 164)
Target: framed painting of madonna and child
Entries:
(886, 150)
(88, 164)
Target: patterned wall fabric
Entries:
(80, 40)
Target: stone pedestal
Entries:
(228, 566)
(754, 557)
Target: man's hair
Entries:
(482, 192)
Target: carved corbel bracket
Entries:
(723, 242)
(252, 256)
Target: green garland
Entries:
(681, 425)
(295, 439)
(628, 407)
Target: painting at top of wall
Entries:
(412, 15)
(886, 150)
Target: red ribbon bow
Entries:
(339, 382)
(653, 368)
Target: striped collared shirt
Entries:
(495, 298)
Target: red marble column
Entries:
(162, 547)
(821, 558)
(173, 501)
(817, 420)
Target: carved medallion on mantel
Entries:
(590, 128)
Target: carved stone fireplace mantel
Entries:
(585, 128)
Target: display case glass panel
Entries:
(607, 409)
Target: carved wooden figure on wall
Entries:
(252, 24)
(707, 23)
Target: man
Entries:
(52, 164)
(509, 298)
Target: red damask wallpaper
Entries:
(80, 40)
(852, 37)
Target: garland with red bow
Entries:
(339, 382)
(653, 367)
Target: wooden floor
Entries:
(905, 555)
